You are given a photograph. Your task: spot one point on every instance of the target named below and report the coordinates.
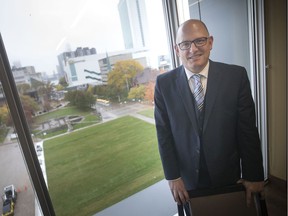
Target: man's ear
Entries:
(176, 48)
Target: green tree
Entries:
(80, 99)
(137, 92)
(4, 115)
(23, 88)
(62, 82)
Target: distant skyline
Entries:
(36, 32)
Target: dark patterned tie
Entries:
(198, 91)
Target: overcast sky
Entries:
(36, 31)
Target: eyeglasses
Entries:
(199, 42)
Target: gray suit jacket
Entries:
(229, 138)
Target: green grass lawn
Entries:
(65, 111)
(88, 114)
(91, 169)
(148, 113)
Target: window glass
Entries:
(238, 39)
(228, 22)
(85, 72)
(16, 188)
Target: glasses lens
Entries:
(185, 45)
(200, 42)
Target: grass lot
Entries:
(89, 119)
(65, 111)
(91, 169)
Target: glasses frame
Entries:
(195, 43)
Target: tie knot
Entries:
(197, 77)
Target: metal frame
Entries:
(257, 41)
(172, 23)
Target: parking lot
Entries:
(13, 171)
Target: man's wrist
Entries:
(173, 180)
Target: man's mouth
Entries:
(194, 56)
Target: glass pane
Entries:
(228, 23)
(17, 192)
(237, 40)
(86, 71)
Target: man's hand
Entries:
(252, 187)
(178, 190)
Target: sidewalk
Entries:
(155, 200)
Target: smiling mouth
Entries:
(194, 56)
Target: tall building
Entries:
(134, 23)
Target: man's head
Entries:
(193, 45)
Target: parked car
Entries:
(8, 207)
(10, 193)
(38, 148)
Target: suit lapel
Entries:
(186, 96)
(214, 80)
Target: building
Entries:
(94, 69)
(134, 23)
(26, 75)
(71, 54)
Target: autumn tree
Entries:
(149, 92)
(120, 79)
(30, 107)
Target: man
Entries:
(206, 132)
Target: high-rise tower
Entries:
(134, 23)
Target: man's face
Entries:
(196, 57)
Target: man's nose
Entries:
(193, 47)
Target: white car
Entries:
(10, 193)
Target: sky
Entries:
(35, 32)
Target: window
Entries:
(67, 59)
(239, 40)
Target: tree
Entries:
(62, 82)
(45, 91)
(137, 92)
(80, 99)
(4, 115)
(120, 79)
(149, 93)
(23, 88)
(30, 107)
(90, 89)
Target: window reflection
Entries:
(85, 74)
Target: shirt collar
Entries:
(204, 72)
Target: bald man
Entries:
(205, 120)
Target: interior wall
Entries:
(276, 60)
